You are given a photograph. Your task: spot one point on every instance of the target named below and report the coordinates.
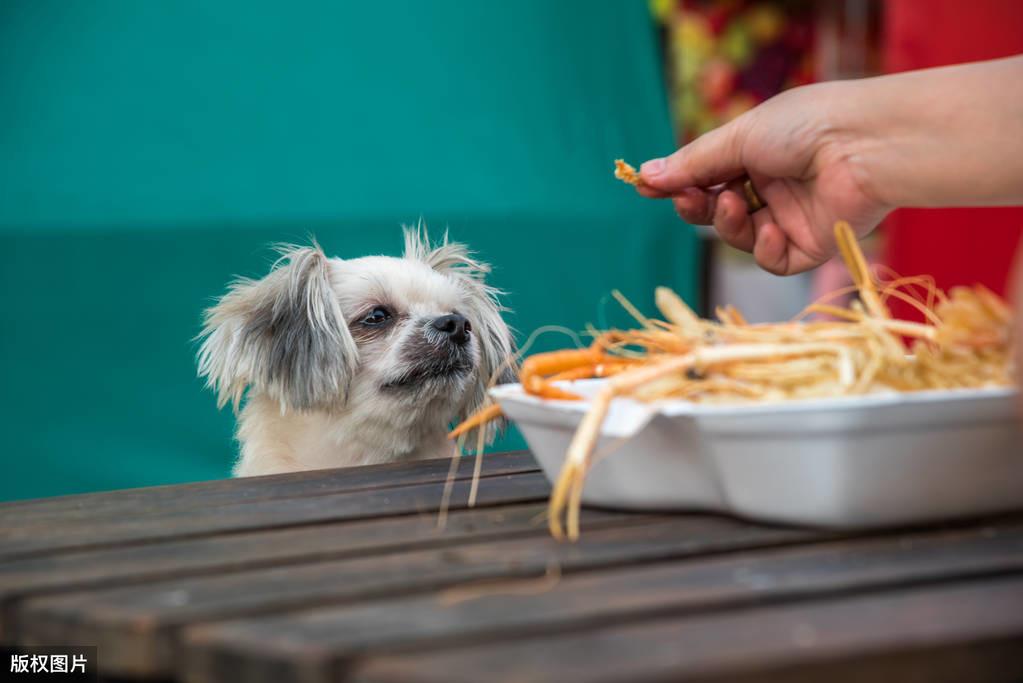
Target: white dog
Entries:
(351, 362)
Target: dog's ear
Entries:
(498, 363)
(284, 334)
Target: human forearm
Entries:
(939, 137)
(852, 151)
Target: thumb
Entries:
(714, 157)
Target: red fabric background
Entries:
(957, 246)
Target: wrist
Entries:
(855, 130)
(949, 136)
(882, 137)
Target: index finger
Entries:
(714, 157)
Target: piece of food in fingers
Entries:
(627, 173)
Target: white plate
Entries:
(844, 462)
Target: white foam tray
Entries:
(844, 462)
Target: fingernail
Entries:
(653, 167)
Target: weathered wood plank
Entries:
(91, 507)
(124, 566)
(316, 645)
(137, 628)
(362, 504)
(943, 633)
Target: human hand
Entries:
(800, 156)
(853, 151)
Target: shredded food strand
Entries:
(964, 344)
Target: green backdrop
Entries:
(149, 151)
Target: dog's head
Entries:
(421, 332)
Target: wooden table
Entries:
(343, 575)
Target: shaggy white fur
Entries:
(350, 362)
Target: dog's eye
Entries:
(378, 316)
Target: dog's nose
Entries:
(455, 326)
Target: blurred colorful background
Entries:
(149, 152)
(723, 57)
